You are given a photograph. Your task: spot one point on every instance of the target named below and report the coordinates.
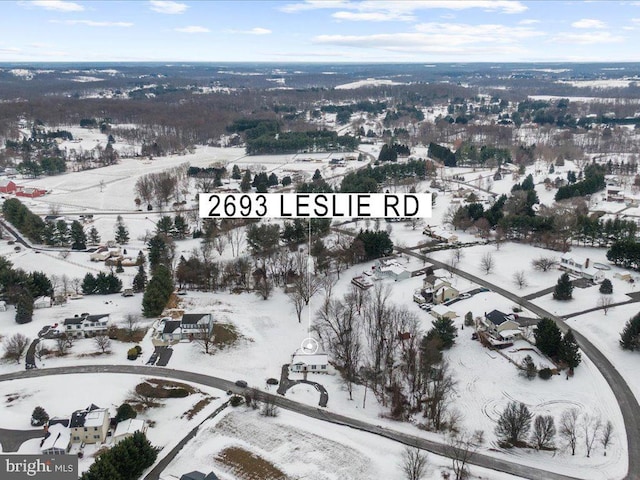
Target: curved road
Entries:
(479, 459)
(626, 399)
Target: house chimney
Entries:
(586, 263)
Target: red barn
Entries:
(7, 186)
(30, 192)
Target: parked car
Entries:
(241, 384)
(462, 296)
(128, 292)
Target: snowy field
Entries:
(301, 448)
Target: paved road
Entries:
(12, 439)
(626, 400)
(439, 448)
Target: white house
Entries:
(503, 325)
(387, 268)
(42, 302)
(441, 234)
(57, 440)
(580, 267)
(127, 428)
(86, 325)
(309, 363)
(196, 324)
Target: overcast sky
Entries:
(320, 31)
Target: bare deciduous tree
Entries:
(590, 429)
(269, 407)
(219, 244)
(487, 264)
(15, 346)
(103, 342)
(263, 287)
(604, 302)
(414, 463)
(605, 435)
(543, 264)
(235, 236)
(520, 279)
(544, 430)
(64, 342)
(568, 428)
(460, 448)
(298, 303)
(131, 324)
(439, 390)
(203, 337)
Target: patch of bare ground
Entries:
(246, 465)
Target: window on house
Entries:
(96, 437)
(76, 438)
(323, 367)
(85, 429)
(313, 367)
(95, 429)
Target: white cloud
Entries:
(588, 38)
(371, 16)
(253, 31)
(10, 50)
(404, 8)
(168, 7)
(528, 21)
(58, 5)
(93, 23)
(442, 38)
(192, 29)
(589, 23)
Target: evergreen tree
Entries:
(245, 184)
(157, 292)
(564, 288)
(376, 244)
(548, 337)
(78, 237)
(62, 232)
(569, 352)
(24, 307)
(273, 180)
(122, 234)
(606, 287)
(317, 176)
(164, 226)
(140, 280)
(444, 330)
(89, 284)
(39, 285)
(49, 233)
(125, 412)
(180, 227)
(102, 469)
(158, 252)
(94, 236)
(286, 181)
(140, 259)
(235, 173)
(529, 370)
(39, 417)
(119, 268)
(630, 336)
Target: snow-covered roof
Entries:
(131, 425)
(95, 418)
(57, 437)
(309, 359)
(509, 333)
(441, 310)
